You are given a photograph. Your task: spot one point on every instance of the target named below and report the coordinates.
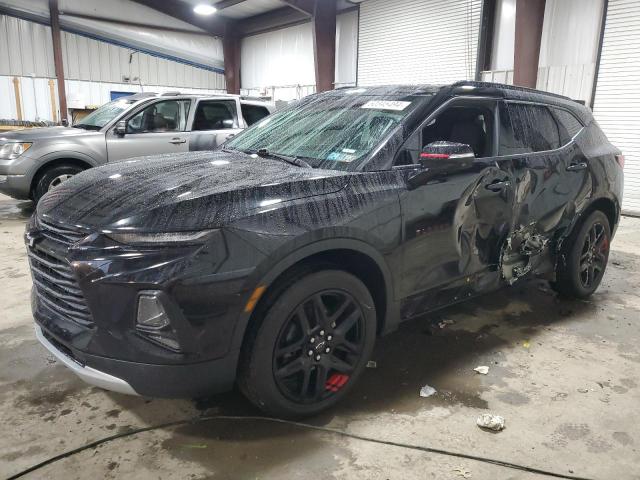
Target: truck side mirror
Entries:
(121, 128)
(439, 159)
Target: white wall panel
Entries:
(25, 48)
(417, 41)
(617, 102)
(346, 48)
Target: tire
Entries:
(584, 257)
(52, 177)
(276, 364)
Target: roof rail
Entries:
(171, 94)
(473, 83)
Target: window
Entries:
(568, 123)
(527, 128)
(165, 116)
(215, 115)
(253, 113)
(469, 124)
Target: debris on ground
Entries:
(583, 390)
(526, 344)
(427, 391)
(372, 364)
(482, 370)
(444, 323)
(491, 422)
(462, 472)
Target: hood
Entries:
(35, 134)
(179, 192)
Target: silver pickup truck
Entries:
(36, 160)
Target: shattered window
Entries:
(568, 123)
(328, 132)
(527, 128)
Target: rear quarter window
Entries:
(569, 125)
(253, 113)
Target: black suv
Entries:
(277, 260)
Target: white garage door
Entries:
(617, 105)
(417, 41)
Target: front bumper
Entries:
(86, 373)
(16, 186)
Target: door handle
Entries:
(575, 167)
(177, 141)
(498, 186)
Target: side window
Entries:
(253, 113)
(165, 116)
(527, 128)
(215, 115)
(468, 124)
(568, 123)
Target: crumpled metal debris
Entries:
(444, 323)
(372, 364)
(482, 370)
(427, 391)
(491, 422)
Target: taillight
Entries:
(620, 160)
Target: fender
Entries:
(46, 159)
(392, 314)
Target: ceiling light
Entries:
(204, 9)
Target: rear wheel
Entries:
(52, 178)
(312, 344)
(584, 257)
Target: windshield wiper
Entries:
(86, 126)
(263, 152)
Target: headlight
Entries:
(12, 150)
(142, 239)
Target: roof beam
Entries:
(307, 7)
(221, 5)
(184, 11)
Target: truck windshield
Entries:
(103, 115)
(335, 132)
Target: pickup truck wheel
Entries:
(584, 257)
(53, 177)
(312, 344)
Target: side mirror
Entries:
(227, 123)
(120, 128)
(440, 159)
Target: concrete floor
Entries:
(564, 374)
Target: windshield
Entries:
(334, 132)
(103, 115)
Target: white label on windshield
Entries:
(386, 105)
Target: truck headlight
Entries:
(12, 150)
(147, 239)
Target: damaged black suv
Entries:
(275, 261)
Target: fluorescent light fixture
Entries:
(204, 9)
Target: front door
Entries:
(156, 128)
(454, 227)
(214, 122)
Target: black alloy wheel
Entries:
(311, 340)
(319, 346)
(583, 257)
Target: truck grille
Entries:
(55, 283)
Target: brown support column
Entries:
(231, 52)
(324, 44)
(529, 20)
(57, 58)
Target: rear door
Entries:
(158, 127)
(453, 227)
(214, 121)
(552, 182)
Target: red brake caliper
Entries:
(336, 381)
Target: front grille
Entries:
(53, 278)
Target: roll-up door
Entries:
(617, 101)
(417, 41)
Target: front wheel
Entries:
(52, 178)
(584, 257)
(312, 344)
